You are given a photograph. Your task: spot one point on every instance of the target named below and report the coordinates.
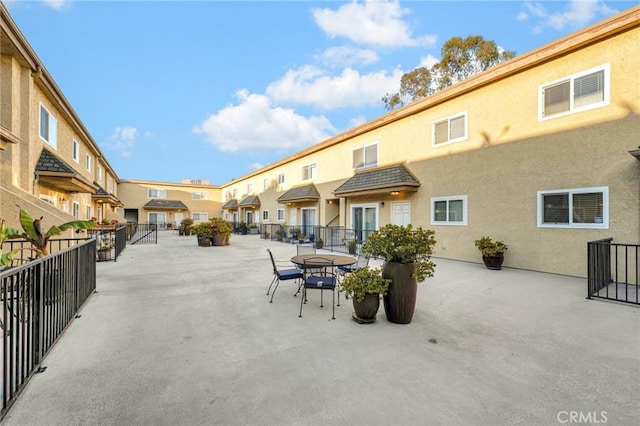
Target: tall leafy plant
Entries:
(7, 233)
(32, 231)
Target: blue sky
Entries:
(215, 89)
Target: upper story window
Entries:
(281, 179)
(200, 216)
(110, 188)
(200, 195)
(75, 151)
(367, 156)
(450, 129)
(157, 193)
(574, 208)
(99, 174)
(88, 211)
(249, 188)
(310, 171)
(265, 215)
(449, 210)
(579, 92)
(235, 193)
(88, 163)
(265, 183)
(48, 127)
(75, 209)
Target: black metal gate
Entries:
(613, 271)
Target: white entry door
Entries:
(179, 217)
(401, 213)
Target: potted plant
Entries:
(492, 252)
(319, 243)
(366, 286)
(185, 226)
(301, 238)
(253, 228)
(351, 246)
(407, 260)
(222, 230)
(204, 233)
(243, 228)
(104, 251)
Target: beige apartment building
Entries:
(50, 164)
(541, 151)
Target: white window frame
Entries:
(75, 151)
(160, 193)
(88, 216)
(572, 109)
(48, 199)
(448, 120)
(75, 210)
(99, 174)
(281, 179)
(200, 216)
(249, 188)
(310, 171)
(448, 199)
(88, 162)
(366, 163)
(570, 192)
(265, 215)
(199, 195)
(235, 193)
(281, 215)
(51, 137)
(265, 183)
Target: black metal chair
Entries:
(319, 275)
(280, 273)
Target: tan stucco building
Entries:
(541, 151)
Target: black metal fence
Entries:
(613, 271)
(142, 233)
(109, 242)
(334, 238)
(39, 299)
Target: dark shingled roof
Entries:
(231, 204)
(50, 163)
(383, 178)
(166, 205)
(300, 193)
(251, 200)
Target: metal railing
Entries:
(334, 238)
(39, 299)
(110, 242)
(142, 233)
(613, 271)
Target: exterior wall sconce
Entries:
(395, 193)
(329, 201)
(382, 204)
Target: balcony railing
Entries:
(334, 238)
(613, 271)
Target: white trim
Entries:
(75, 151)
(448, 119)
(571, 78)
(465, 214)
(364, 151)
(284, 216)
(205, 214)
(605, 208)
(52, 128)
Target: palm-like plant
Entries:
(32, 231)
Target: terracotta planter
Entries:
(400, 300)
(493, 262)
(219, 239)
(366, 310)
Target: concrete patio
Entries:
(184, 335)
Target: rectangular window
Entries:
(579, 92)
(367, 156)
(110, 185)
(49, 199)
(310, 171)
(157, 193)
(574, 208)
(265, 184)
(99, 174)
(265, 214)
(281, 179)
(449, 210)
(450, 129)
(48, 127)
(235, 193)
(200, 216)
(280, 215)
(88, 216)
(199, 195)
(75, 209)
(250, 188)
(88, 163)
(76, 151)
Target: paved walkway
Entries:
(184, 335)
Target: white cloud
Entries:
(372, 22)
(356, 121)
(428, 61)
(123, 139)
(255, 166)
(578, 14)
(255, 124)
(58, 4)
(344, 56)
(311, 86)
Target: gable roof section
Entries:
(230, 205)
(379, 180)
(156, 204)
(300, 193)
(101, 195)
(54, 172)
(250, 201)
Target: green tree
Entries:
(461, 58)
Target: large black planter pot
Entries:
(493, 262)
(400, 300)
(366, 310)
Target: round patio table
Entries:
(338, 260)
